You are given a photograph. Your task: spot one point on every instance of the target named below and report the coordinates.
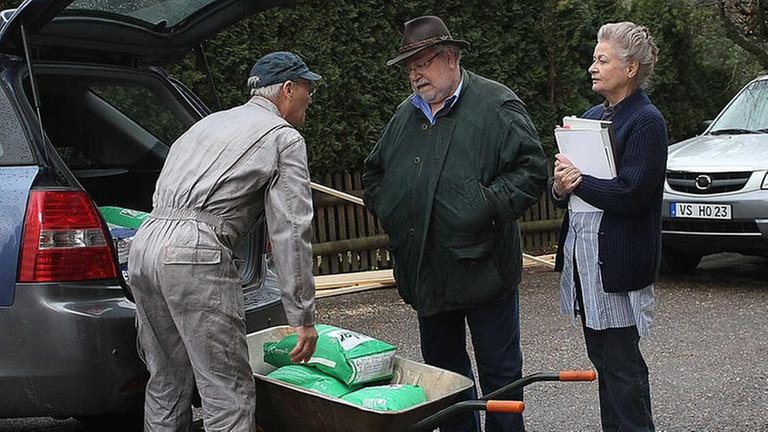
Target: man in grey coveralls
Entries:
(218, 179)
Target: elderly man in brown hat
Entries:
(455, 167)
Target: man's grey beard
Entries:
(440, 96)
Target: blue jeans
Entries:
(625, 394)
(495, 331)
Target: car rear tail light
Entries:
(64, 239)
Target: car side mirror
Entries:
(705, 124)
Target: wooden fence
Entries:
(347, 238)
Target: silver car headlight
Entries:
(765, 182)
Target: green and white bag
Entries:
(393, 397)
(123, 217)
(311, 379)
(349, 356)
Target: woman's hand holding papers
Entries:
(567, 176)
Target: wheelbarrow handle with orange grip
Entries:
(504, 406)
(578, 375)
(495, 402)
(573, 375)
(492, 406)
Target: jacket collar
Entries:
(627, 106)
(266, 104)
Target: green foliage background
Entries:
(541, 49)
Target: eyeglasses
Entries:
(311, 90)
(421, 66)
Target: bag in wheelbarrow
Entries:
(282, 407)
(344, 354)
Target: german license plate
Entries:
(700, 211)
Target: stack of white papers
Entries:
(588, 144)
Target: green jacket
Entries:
(449, 195)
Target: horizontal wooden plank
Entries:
(386, 277)
(353, 244)
(356, 278)
(545, 260)
(353, 289)
(348, 283)
(320, 199)
(381, 241)
(540, 226)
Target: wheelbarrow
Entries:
(283, 407)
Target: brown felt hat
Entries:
(421, 33)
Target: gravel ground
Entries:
(707, 356)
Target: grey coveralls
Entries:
(218, 179)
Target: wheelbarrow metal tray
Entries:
(282, 407)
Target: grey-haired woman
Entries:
(610, 258)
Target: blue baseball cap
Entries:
(280, 66)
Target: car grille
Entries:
(706, 183)
(710, 226)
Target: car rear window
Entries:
(145, 107)
(153, 12)
(14, 147)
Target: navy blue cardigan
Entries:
(630, 230)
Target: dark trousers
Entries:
(495, 332)
(625, 395)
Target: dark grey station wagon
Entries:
(87, 115)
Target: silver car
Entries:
(716, 193)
